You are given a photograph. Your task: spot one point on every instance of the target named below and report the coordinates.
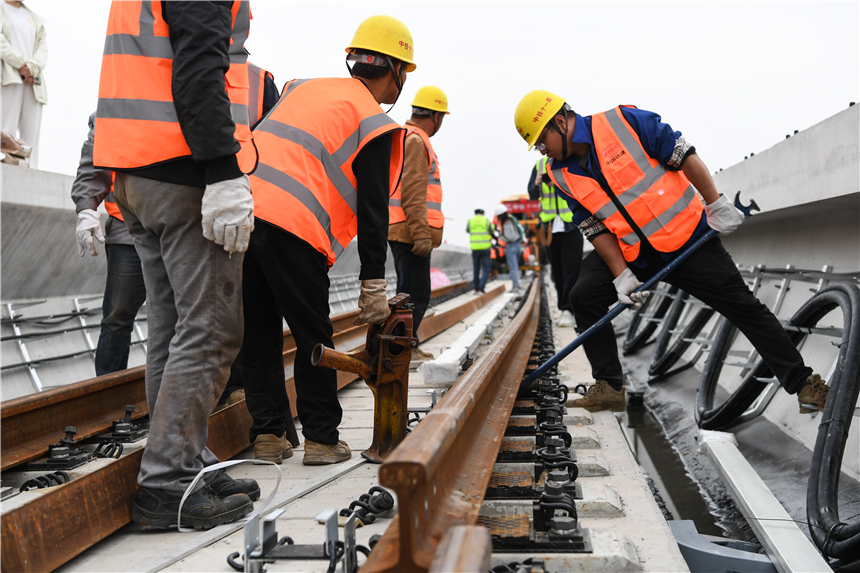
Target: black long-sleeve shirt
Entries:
(371, 169)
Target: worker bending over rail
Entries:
(631, 182)
(415, 218)
(181, 157)
(329, 160)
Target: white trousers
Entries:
(22, 116)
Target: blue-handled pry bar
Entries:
(619, 308)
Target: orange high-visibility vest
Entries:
(435, 218)
(110, 202)
(308, 142)
(662, 203)
(136, 122)
(256, 91)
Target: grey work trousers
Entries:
(194, 315)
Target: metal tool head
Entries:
(748, 209)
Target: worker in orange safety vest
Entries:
(329, 160)
(172, 122)
(415, 219)
(640, 193)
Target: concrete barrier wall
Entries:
(38, 251)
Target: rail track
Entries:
(100, 500)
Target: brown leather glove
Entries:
(422, 247)
(372, 303)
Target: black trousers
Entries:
(284, 277)
(709, 275)
(413, 278)
(565, 258)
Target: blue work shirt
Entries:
(658, 140)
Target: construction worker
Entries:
(125, 291)
(329, 160)
(564, 241)
(631, 184)
(172, 76)
(513, 235)
(482, 233)
(415, 218)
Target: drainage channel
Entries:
(677, 494)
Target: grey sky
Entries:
(735, 78)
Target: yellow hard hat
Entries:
(533, 113)
(385, 35)
(432, 98)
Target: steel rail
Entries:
(99, 502)
(441, 470)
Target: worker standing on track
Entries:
(564, 239)
(481, 234)
(173, 74)
(415, 218)
(514, 235)
(329, 160)
(125, 291)
(631, 182)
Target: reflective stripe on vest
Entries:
(479, 233)
(304, 181)
(256, 92)
(550, 203)
(662, 203)
(435, 218)
(136, 119)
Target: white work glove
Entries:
(723, 217)
(89, 228)
(372, 303)
(625, 284)
(228, 213)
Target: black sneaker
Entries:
(157, 509)
(224, 486)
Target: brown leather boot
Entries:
(321, 454)
(272, 448)
(813, 396)
(601, 397)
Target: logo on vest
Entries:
(612, 153)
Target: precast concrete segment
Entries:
(440, 472)
(786, 545)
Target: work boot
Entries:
(601, 397)
(223, 486)
(234, 397)
(813, 396)
(418, 354)
(157, 509)
(321, 454)
(272, 448)
(565, 320)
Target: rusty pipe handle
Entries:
(329, 358)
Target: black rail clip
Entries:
(64, 455)
(125, 431)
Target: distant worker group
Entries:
(229, 202)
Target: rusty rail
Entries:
(440, 472)
(99, 502)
